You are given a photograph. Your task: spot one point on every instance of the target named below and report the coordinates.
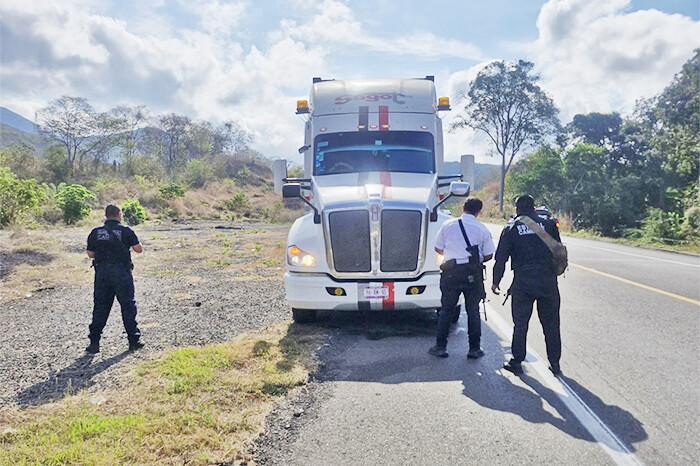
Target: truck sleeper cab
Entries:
(373, 182)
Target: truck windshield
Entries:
(392, 151)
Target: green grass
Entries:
(194, 405)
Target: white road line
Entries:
(608, 441)
(630, 254)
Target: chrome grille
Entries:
(401, 230)
(349, 232)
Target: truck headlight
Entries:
(439, 259)
(297, 257)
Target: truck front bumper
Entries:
(318, 291)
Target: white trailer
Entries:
(373, 182)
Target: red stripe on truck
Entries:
(388, 302)
(383, 118)
(385, 179)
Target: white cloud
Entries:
(596, 55)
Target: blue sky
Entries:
(250, 61)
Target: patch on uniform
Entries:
(102, 235)
(524, 230)
(117, 234)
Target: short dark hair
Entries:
(472, 205)
(112, 211)
(525, 203)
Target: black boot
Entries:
(135, 345)
(93, 347)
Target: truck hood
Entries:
(334, 190)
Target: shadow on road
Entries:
(10, 260)
(401, 357)
(66, 381)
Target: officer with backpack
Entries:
(532, 243)
(465, 244)
(110, 248)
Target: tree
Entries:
(541, 174)
(174, 130)
(505, 103)
(68, 120)
(132, 118)
(74, 123)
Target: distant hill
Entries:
(17, 121)
(483, 172)
(10, 136)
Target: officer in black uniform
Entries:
(109, 246)
(535, 279)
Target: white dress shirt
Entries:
(451, 241)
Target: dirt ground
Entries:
(196, 283)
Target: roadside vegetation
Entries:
(192, 405)
(632, 179)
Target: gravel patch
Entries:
(43, 337)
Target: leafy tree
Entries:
(20, 159)
(541, 174)
(505, 103)
(17, 196)
(197, 173)
(55, 165)
(133, 212)
(74, 201)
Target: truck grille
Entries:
(400, 240)
(349, 232)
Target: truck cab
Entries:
(373, 183)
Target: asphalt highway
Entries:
(628, 395)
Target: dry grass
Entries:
(41, 259)
(191, 406)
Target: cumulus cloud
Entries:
(598, 56)
(593, 56)
(183, 56)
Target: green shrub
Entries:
(239, 202)
(243, 176)
(74, 200)
(197, 173)
(133, 212)
(17, 196)
(664, 227)
(172, 191)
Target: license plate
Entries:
(379, 292)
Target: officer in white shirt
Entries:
(466, 244)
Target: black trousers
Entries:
(452, 285)
(545, 292)
(114, 280)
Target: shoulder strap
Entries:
(539, 231)
(464, 233)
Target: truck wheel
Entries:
(303, 316)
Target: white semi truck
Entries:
(373, 182)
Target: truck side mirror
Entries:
(459, 188)
(466, 166)
(291, 190)
(279, 173)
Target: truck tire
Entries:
(304, 316)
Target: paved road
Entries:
(630, 328)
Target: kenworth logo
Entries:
(374, 97)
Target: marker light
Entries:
(361, 127)
(414, 290)
(444, 103)
(297, 257)
(373, 126)
(385, 126)
(557, 223)
(302, 106)
(423, 127)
